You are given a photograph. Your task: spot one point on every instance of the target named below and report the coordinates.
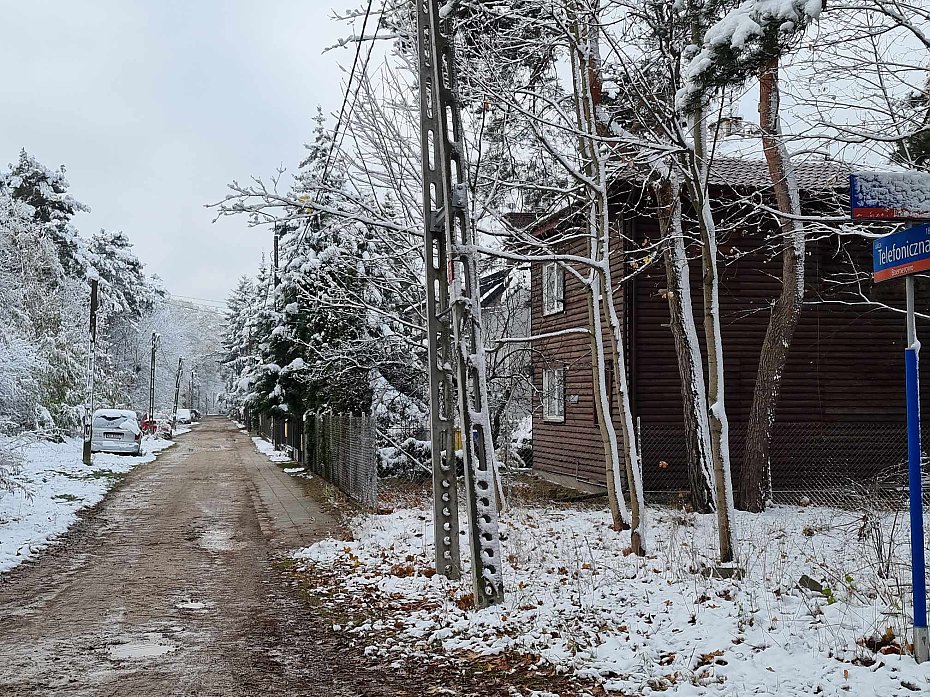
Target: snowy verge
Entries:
(576, 600)
(53, 485)
(267, 449)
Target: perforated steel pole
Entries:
(445, 485)
(453, 299)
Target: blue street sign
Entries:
(901, 253)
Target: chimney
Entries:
(729, 126)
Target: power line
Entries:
(189, 305)
(345, 99)
(202, 300)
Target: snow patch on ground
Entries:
(267, 449)
(576, 599)
(55, 485)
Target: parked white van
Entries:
(116, 431)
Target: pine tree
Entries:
(46, 192)
(239, 350)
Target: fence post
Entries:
(328, 436)
(370, 443)
(304, 443)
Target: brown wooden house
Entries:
(841, 413)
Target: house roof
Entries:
(812, 175)
(741, 172)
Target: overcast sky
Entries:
(154, 106)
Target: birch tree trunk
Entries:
(587, 91)
(687, 348)
(620, 519)
(755, 478)
(717, 413)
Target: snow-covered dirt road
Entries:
(170, 586)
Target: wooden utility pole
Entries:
(91, 367)
(456, 351)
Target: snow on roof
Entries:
(907, 191)
(113, 413)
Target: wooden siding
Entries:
(572, 448)
(842, 398)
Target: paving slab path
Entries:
(170, 586)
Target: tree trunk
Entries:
(717, 414)
(631, 456)
(587, 91)
(618, 513)
(687, 348)
(756, 478)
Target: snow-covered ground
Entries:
(577, 600)
(267, 449)
(55, 485)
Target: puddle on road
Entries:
(151, 645)
(191, 606)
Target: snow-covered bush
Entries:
(410, 459)
(11, 460)
(521, 444)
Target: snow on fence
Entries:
(342, 449)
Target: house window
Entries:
(553, 282)
(553, 396)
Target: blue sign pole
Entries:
(918, 562)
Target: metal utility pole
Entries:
(190, 394)
(91, 368)
(155, 341)
(456, 352)
(177, 393)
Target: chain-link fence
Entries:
(285, 433)
(343, 450)
(834, 464)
